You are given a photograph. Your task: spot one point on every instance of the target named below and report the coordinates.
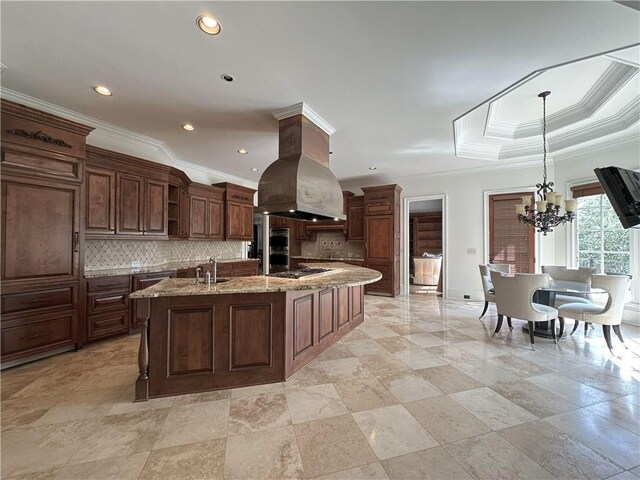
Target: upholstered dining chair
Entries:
(513, 297)
(487, 286)
(578, 276)
(609, 315)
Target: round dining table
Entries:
(547, 296)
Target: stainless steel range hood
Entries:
(299, 184)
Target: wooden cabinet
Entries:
(355, 218)
(238, 211)
(107, 306)
(183, 216)
(155, 207)
(100, 205)
(140, 282)
(41, 236)
(206, 212)
(382, 237)
(130, 205)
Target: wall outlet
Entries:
(467, 297)
(471, 251)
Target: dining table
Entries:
(547, 296)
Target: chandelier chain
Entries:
(544, 138)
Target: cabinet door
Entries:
(184, 213)
(198, 216)
(380, 238)
(234, 221)
(100, 213)
(156, 200)
(301, 230)
(355, 222)
(40, 230)
(247, 222)
(216, 219)
(129, 213)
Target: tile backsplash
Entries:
(108, 254)
(334, 244)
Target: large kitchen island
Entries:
(242, 331)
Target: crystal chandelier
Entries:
(546, 213)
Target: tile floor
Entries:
(420, 390)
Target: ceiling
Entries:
(594, 101)
(389, 77)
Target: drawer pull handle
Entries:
(38, 300)
(378, 198)
(109, 299)
(76, 241)
(38, 335)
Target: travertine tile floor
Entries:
(420, 390)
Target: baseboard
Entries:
(631, 314)
(458, 294)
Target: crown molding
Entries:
(606, 86)
(304, 109)
(109, 136)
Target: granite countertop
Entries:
(179, 265)
(341, 275)
(332, 259)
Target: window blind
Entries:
(510, 241)
(587, 190)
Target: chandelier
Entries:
(545, 215)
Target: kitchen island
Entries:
(242, 331)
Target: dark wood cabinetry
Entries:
(42, 240)
(107, 306)
(126, 197)
(425, 233)
(355, 218)
(206, 212)
(238, 203)
(100, 205)
(382, 237)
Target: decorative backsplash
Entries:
(332, 244)
(108, 254)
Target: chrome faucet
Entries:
(214, 275)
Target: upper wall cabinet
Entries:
(125, 196)
(206, 212)
(239, 211)
(355, 218)
(100, 214)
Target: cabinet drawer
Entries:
(121, 282)
(38, 334)
(107, 324)
(25, 302)
(101, 302)
(143, 281)
(379, 209)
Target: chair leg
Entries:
(553, 330)
(606, 330)
(486, 305)
(499, 326)
(561, 320)
(531, 339)
(509, 323)
(586, 328)
(575, 326)
(616, 329)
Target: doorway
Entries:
(424, 253)
(510, 241)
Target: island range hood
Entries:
(299, 183)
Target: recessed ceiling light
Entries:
(226, 77)
(373, 168)
(266, 213)
(102, 90)
(242, 151)
(254, 169)
(314, 219)
(336, 219)
(208, 25)
(188, 127)
(291, 211)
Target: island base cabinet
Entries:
(200, 343)
(208, 342)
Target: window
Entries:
(602, 243)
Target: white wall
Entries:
(466, 207)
